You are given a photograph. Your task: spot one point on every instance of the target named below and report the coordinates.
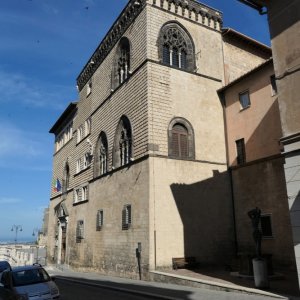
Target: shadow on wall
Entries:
(295, 212)
(206, 212)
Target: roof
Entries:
(257, 68)
(256, 4)
(233, 34)
(68, 111)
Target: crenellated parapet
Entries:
(192, 10)
(189, 9)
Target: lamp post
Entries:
(36, 230)
(16, 228)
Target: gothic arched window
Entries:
(181, 139)
(121, 68)
(101, 155)
(123, 143)
(176, 47)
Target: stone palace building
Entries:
(152, 159)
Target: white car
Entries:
(30, 283)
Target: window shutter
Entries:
(183, 145)
(166, 54)
(175, 58)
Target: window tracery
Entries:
(176, 47)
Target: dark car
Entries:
(4, 265)
(29, 282)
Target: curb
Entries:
(218, 286)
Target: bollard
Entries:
(260, 272)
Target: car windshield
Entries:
(30, 276)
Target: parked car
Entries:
(29, 282)
(4, 265)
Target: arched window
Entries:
(181, 139)
(176, 47)
(122, 63)
(101, 155)
(123, 143)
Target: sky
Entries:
(44, 44)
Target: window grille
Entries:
(126, 217)
(99, 220)
(79, 231)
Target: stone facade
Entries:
(124, 186)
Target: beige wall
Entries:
(258, 124)
(263, 185)
(190, 212)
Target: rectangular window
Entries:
(241, 152)
(87, 127)
(87, 159)
(273, 85)
(244, 99)
(126, 217)
(266, 226)
(79, 134)
(78, 165)
(79, 231)
(84, 193)
(77, 195)
(99, 220)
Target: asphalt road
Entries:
(77, 291)
(82, 289)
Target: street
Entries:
(77, 291)
(83, 289)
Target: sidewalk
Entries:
(181, 280)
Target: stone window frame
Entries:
(123, 143)
(122, 63)
(183, 42)
(79, 231)
(99, 219)
(190, 138)
(101, 155)
(126, 217)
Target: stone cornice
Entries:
(129, 13)
(189, 9)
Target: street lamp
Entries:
(36, 230)
(16, 228)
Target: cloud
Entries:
(15, 142)
(8, 201)
(17, 88)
